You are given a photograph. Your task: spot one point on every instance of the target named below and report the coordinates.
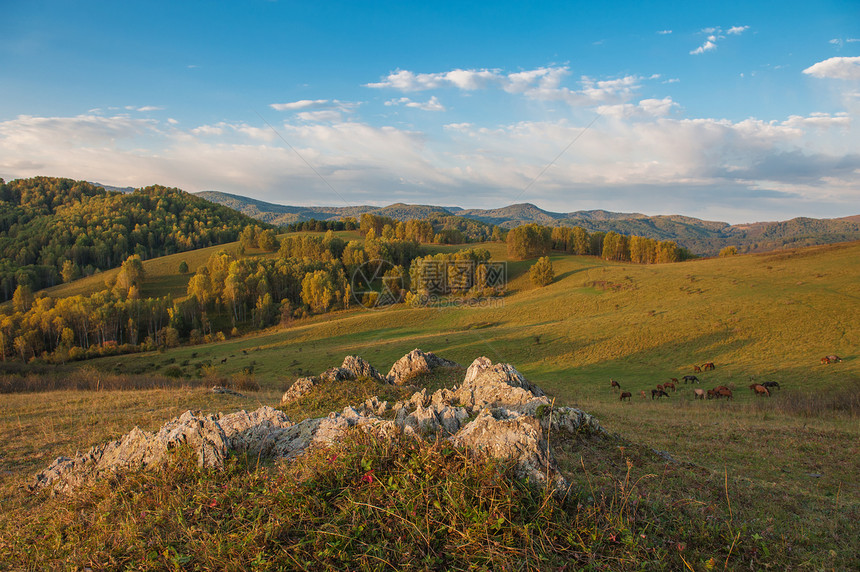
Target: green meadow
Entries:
(779, 475)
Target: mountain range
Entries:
(699, 236)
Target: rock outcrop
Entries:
(414, 363)
(496, 412)
(299, 389)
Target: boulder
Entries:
(487, 384)
(299, 388)
(359, 367)
(503, 434)
(414, 363)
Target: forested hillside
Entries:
(54, 230)
(701, 237)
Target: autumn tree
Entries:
(541, 272)
(529, 241)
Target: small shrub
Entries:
(173, 371)
(244, 382)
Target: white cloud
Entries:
(647, 108)
(714, 35)
(708, 46)
(641, 156)
(321, 115)
(819, 121)
(542, 84)
(432, 104)
(172, 121)
(836, 68)
(302, 104)
(664, 32)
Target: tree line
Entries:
(534, 240)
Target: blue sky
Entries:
(735, 111)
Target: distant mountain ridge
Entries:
(699, 236)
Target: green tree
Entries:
(183, 267)
(268, 241)
(541, 272)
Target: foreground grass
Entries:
(403, 504)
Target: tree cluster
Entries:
(55, 229)
(533, 240)
(464, 272)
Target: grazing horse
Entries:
(697, 369)
(224, 360)
(700, 393)
(625, 395)
(825, 360)
(669, 386)
(658, 393)
(769, 384)
(834, 358)
(613, 384)
(724, 392)
(712, 393)
(660, 387)
(709, 366)
(691, 379)
(642, 393)
(759, 389)
(673, 379)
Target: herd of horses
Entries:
(762, 389)
(662, 390)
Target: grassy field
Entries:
(780, 474)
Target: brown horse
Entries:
(669, 386)
(658, 393)
(825, 360)
(643, 394)
(673, 379)
(709, 366)
(759, 389)
(697, 369)
(625, 395)
(660, 387)
(691, 379)
(724, 392)
(614, 384)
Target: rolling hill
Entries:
(701, 237)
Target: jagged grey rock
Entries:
(499, 433)
(414, 363)
(139, 449)
(487, 383)
(511, 419)
(359, 367)
(299, 388)
(226, 390)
